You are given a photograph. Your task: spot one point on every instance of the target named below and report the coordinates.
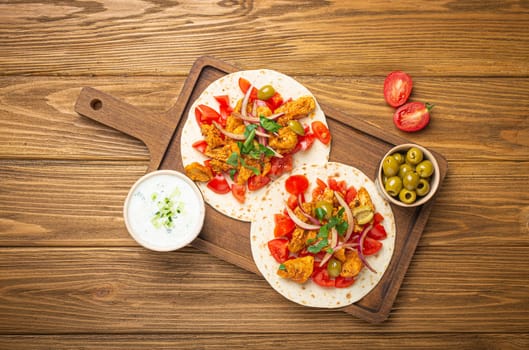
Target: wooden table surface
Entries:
(72, 277)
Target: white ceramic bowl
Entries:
(164, 211)
(434, 178)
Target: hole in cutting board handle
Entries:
(96, 104)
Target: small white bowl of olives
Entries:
(408, 175)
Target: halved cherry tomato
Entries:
(397, 88)
(278, 166)
(200, 145)
(342, 282)
(239, 192)
(350, 194)
(219, 184)
(257, 181)
(371, 246)
(321, 132)
(321, 277)
(413, 116)
(296, 184)
(283, 225)
(206, 115)
(378, 232)
(279, 249)
(244, 85)
(275, 101)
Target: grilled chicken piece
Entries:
(352, 264)
(296, 109)
(298, 269)
(198, 172)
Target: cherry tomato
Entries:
(412, 116)
(371, 246)
(321, 277)
(206, 115)
(244, 85)
(219, 184)
(283, 225)
(397, 88)
(342, 282)
(292, 201)
(257, 181)
(278, 166)
(378, 218)
(279, 249)
(200, 145)
(378, 232)
(239, 192)
(296, 184)
(321, 132)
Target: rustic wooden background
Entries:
(70, 275)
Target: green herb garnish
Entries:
(268, 124)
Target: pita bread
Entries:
(309, 293)
(229, 85)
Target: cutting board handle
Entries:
(155, 131)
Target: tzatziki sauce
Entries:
(164, 210)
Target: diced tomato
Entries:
(335, 185)
(292, 201)
(279, 249)
(225, 108)
(304, 142)
(283, 225)
(350, 194)
(342, 282)
(244, 85)
(321, 277)
(378, 218)
(206, 115)
(296, 184)
(219, 184)
(200, 145)
(239, 192)
(321, 131)
(275, 101)
(378, 232)
(319, 189)
(279, 166)
(371, 246)
(257, 181)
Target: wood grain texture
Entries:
(39, 120)
(71, 277)
(435, 341)
(129, 290)
(443, 38)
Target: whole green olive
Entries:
(407, 196)
(424, 168)
(398, 157)
(334, 267)
(390, 166)
(411, 180)
(393, 186)
(414, 156)
(266, 92)
(405, 168)
(423, 188)
(296, 126)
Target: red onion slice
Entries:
(348, 213)
(229, 134)
(298, 222)
(244, 106)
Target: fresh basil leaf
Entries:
(282, 267)
(269, 125)
(318, 247)
(320, 213)
(233, 159)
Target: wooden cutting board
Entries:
(355, 143)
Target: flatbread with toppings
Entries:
(324, 237)
(244, 131)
